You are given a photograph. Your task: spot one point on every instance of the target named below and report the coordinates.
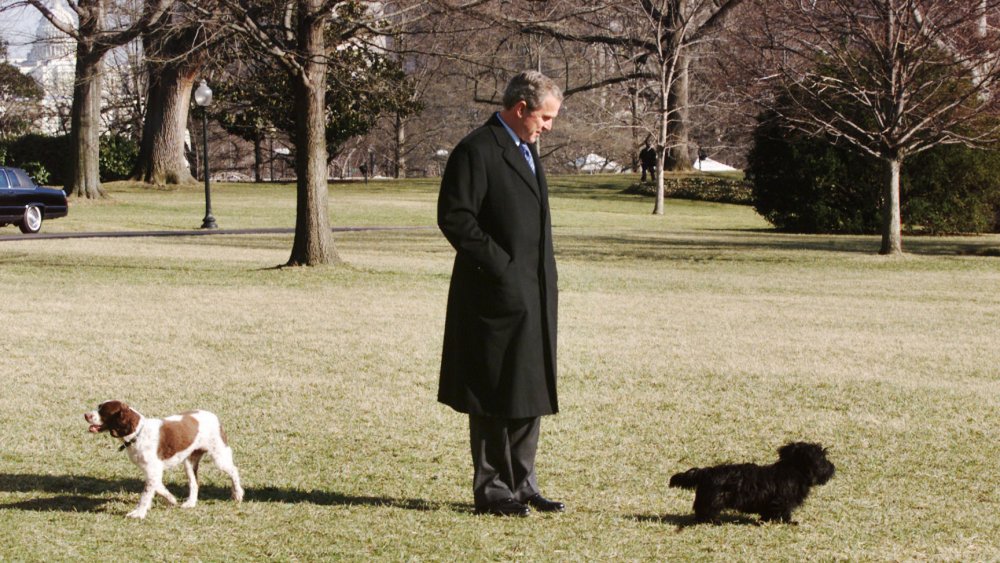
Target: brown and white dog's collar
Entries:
(128, 441)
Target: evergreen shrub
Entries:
(37, 172)
(811, 185)
(47, 152)
(719, 188)
(118, 157)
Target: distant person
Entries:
(647, 159)
(364, 171)
(499, 359)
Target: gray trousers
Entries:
(503, 458)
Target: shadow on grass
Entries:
(327, 498)
(708, 244)
(682, 521)
(78, 493)
(62, 503)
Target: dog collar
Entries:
(126, 443)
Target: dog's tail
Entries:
(688, 479)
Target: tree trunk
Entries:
(400, 147)
(666, 75)
(85, 133)
(636, 124)
(258, 156)
(84, 178)
(171, 67)
(892, 231)
(191, 152)
(161, 153)
(678, 156)
(313, 244)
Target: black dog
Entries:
(773, 491)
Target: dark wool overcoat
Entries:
(499, 355)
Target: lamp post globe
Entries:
(203, 97)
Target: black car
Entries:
(26, 204)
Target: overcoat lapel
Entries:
(514, 158)
(543, 185)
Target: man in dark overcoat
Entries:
(499, 359)
(647, 159)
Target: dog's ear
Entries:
(129, 421)
(788, 450)
(803, 450)
(119, 418)
(111, 408)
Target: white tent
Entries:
(709, 165)
(594, 163)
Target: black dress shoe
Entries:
(542, 504)
(508, 507)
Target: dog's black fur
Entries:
(773, 491)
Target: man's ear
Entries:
(521, 108)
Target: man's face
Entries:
(529, 125)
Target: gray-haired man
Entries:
(499, 358)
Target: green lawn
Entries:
(694, 338)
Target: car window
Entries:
(3, 180)
(22, 177)
(14, 182)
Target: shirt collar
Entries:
(513, 135)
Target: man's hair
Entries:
(532, 87)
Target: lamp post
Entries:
(203, 97)
(270, 136)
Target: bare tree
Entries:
(125, 92)
(94, 39)
(295, 34)
(242, 106)
(888, 78)
(446, 79)
(176, 53)
(424, 70)
(302, 35)
(659, 39)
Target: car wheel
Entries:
(32, 222)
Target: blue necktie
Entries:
(527, 156)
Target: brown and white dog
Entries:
(157, 444)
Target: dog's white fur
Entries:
(156, 444)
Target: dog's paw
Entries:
(238, 495)
(137, 513)
(190, 503)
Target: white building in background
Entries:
(51, 61)
(594, 163)
(709, 165)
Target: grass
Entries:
(693, 338)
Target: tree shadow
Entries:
(708, 244)
(75, 484)
(62, 503)
(331, 498)
(682, 521)
(79, 493)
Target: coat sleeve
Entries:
(460, 204)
